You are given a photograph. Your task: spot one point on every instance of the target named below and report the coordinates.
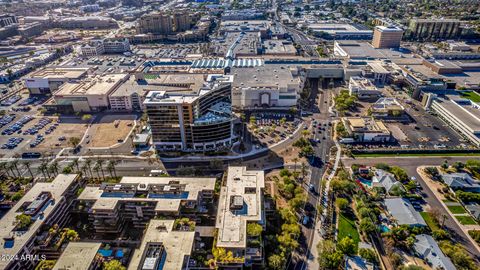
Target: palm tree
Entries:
(54, 166)
(45, 168)
(3, 168)
(51, 169)
(96, 168)
(11, 166)
(75, 163)
(100, 165)
(88, 162)
(111, 167)
(84, 170)
(15, 165)
(27, 165)
(303, 169)
(42, 169)
(295, 160)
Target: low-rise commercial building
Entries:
(366, 129)
(240, 202)
(88, 95)
(387, 108)
(339, 31)
(136, 200)
(267, 86)
(45, 204)
(49, 80)
(462, 114)
(109, 45)
(363, 88)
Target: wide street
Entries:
(410, 164)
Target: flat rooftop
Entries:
(77, 255)
(177, 244)
(266, 76)
(58, 73)
(355, 49)
(279, 47)
(244, 187)
(463, 109)
(98, 85)
(7, 224)
(334, 28)
(193, 186)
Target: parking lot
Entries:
(271, 127)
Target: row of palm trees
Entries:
(11, 168)
(49, 169)
(89, 167)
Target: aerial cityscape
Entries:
(240, 134)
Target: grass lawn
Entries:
(447, 200)
(347, 228)
(473, 96)
(416, 155)
(429, 220)
(466, 220)
(456, 209)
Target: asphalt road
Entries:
(410, 164)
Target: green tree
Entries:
(367, 226)
(346, 246)
(113, 265)
(74, 141)
(368, 254)
(23, 220)
(328, 256)
(254, 229)
(86, 117)
(276, 261)
(342, 204)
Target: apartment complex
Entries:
(198, 120)
(79, 256)
(45, 204)
(164, 23)
(240, 202)
(163, 247)
(433, 29)
(49, 80)
(136, 200)
(387, 37)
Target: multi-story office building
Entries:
(136, 200)
(101, 46)
(433, 29)
(240, 202)
(387, 37)
(48, 80)
(92, 48)
(46, 204)
(116, 45)
(164, 23)
(198, 120)
(163, 247)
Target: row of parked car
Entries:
(38, 126)
(6, 119)
(18, 125)
(39, 139)
(12, 143)
(11, 100)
